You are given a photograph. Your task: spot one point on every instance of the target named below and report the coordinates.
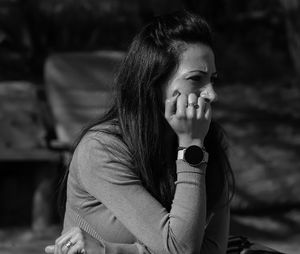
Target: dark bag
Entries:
(241, 245)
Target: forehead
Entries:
(197, 56)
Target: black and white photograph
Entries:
(149, 127)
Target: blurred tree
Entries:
(32, 29)
(66, 25)
(79, 25)
(250, 35)
(13, 41)
(159, 7)
(292, 21)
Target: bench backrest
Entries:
(79, 88)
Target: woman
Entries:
(152, 175)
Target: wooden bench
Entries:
(40, 124)
(23, 141)
(79, 87)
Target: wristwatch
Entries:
(193, 155)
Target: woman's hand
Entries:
(190, 117)
(75, 241)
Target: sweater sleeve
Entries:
(216, 233)
(107, 176)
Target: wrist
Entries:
(193, 155)
(186, 142)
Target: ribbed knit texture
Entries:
(108, 201)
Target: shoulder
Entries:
(102, 152)
(104, 139)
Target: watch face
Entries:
(193, 155)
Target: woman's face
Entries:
(195, 74)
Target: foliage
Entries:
(251, 36)
(32, 29)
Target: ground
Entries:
(262, 122)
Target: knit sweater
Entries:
(107, 200)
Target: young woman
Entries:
(152, 175)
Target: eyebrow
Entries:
(204, 72)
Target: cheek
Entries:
(183, 87)
(186, 89)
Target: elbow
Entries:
(192, 250)
(181, 240)
(210, 246)
(174, 247)
(171, 246)
(181, 251)
(185, 250)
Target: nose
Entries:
(209, 93)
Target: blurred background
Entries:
(57, 61)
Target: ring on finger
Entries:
(193, 104)
(69, 244)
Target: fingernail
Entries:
(49, 249)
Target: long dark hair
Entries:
(138, 108)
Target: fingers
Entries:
(50, 249)
(77, 248)
(191, 110)
(61, 242)
(170, 105)
(182, 102)
(190, 106)
(204, 110)
(76, 238)
(207, 111)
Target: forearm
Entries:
(215, 239)
(188, 213)
(115, 248)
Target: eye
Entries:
(195, 78)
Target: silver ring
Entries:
(193, 104)
(69, 244)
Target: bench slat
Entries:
(37, 155)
